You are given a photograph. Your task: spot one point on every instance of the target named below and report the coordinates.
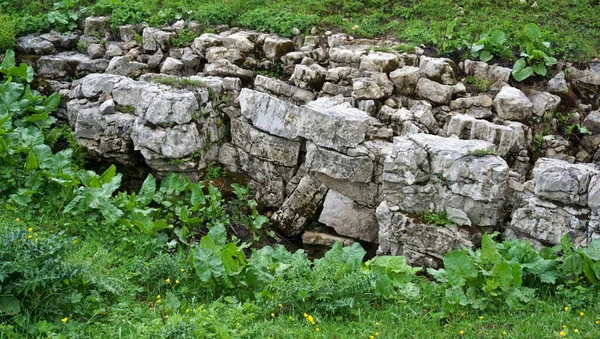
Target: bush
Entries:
(277, 21)
(7, 33)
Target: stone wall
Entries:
(347, 133)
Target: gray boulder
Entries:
(512, 104)
(348, 218)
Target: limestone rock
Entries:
(63, 41)
(155, 39)
(349, 55)
(592, 122)
(563, 182)
(202, 43)
(225, 68)
(512, 104)
(124, 66)
(378, 62)
(544, 103)
(466, 127)
(69, 64)
(281, 88)
(405, 79)
(348, 218)
(558, 84)
(309, 76)
(483, 70)
(337, 165)
(275, 47)
(436, 92)
(314, 238)
(590, 75)
(171, 66)
(300, 207)
(437, 69)
(263, 146)
(34, 45)
(99, 25)
(239, 40)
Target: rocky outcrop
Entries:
(342, 133)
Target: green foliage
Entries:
(490, 44)
(534, 54)
(576, 128)
(65, 14)
(438, 219)
(481, 84)
(183, 38)
(214, 171)
(7, 32)
(482, 152)
(276, 21)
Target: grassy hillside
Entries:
(572, 26)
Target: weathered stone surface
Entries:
(202, 43)
(155, 39)
(216, 53)
(340, 74)
(171, 66)
(405, 79)
(377, 86)
(275, 47)
(99, 25)
(378, 62)
(466, 127)
(64, 41)
(124, 66)
(300, 207)
(544, 103)
(347, 54)
(173, 143)
(281, 88)
(332, 125)
(436, 92)
(592, 122)
(558, 84)
(512, 104)
(437, 69)
(563, 182)
(225, 68)
(34, 45)
(421, 244)
(348, 218)
(427, 172)
(309, 76)
(366, 194)
(68, 64)
(264, 146)
(96, 51)
(547, 222)
(590, 75)
(239, 40)
(337, 165)
(483, 70)
(270, 114)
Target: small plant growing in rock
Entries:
(214, 172)
(483, 152)
(184, 38)
(533, 52)
(438, 219)
(481, 84)
(489, 45)
(571, 129)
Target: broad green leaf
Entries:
(147, 191)
(572, 265)
(218, 234)
(519, 65)
(9, 305)
(489, 252)
(43, 155)
(8, 62)
(109, 211)
(566, 245)
(539, 68)
(485, 56)
(198, 194)
(206, 264)
(108, 175)
(460, 268)
(32, 163)
(588, 268)
(508, 274)
(593, 250)
(497, 37)
(523, 74)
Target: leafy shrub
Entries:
(490, 44)
(184, 38)
(65, 14)
(276, 21)
(438, 219)
(533, 52)
(7, 33)
(215, 13)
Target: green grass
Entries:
(570, 25)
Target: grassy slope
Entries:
(571, 25)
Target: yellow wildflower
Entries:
(36, 239)
(305, 315)
(280, 305)
(182, 270)
(461, 332)
(317, 329)
(564, 326)
(311, 319)
(158, 296)
(597, 322)
(64, 320)
(187, 310)
(158, 301)
(371, 337)
(30, 229)
(566, 308)
(177, 281)
(377, 323)
(272, 315)
(18, 219)
(581, 314)
(168, 280)
(575, 331)
(504, 332)
(376, 334)
(166, 316)
(74, 241)
(291, 317)
(480, 317)
(562, 334)
(29, 236)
